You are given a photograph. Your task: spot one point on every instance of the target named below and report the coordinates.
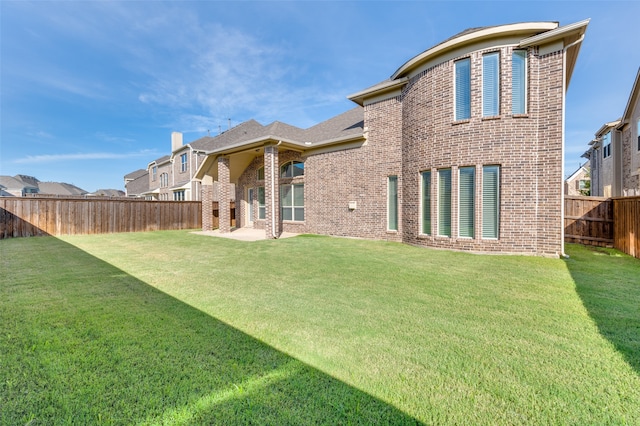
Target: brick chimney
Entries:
(176, 141)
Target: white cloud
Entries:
(52, 158)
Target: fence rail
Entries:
(25, 217)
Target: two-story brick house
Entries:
(614, 153)
(461, 148)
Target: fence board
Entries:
(25, 217)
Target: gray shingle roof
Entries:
(60, 188)
(349, 123)
(136, 174)
(12, 183)
(138, 186)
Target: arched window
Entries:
(292, 169)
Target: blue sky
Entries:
(90, 91)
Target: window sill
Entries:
(294, 222)
(520, 116)
(424, 236)
(392, 231)
(491, 117)
(457, 122)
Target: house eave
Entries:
(387, 88)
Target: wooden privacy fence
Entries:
(25, 217)
(588, 220)
(627, 225)
(604, 222)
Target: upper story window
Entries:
(606, 145)
(164, 180)
(292, 169)
(462, 87)
(154, 173)
(519, 82)
(261, 173)
(490, 84)
(183, 162)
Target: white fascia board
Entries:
(555, 34)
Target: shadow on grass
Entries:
(608, 282)
(87, 343)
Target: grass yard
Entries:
(176, 328)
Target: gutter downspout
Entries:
(564, 101)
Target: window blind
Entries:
(466, 201)
(392, 199)
(490, 84)
(444, 202)
(426, 203)
(463, 89)
(490, 201)
(519, 82)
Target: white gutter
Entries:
(564, 106)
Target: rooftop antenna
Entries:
(219, 129)
(208, 132)
(229, 124)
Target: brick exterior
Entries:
(207, 207)
(224, 202)
(408, 128)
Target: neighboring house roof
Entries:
(633, 100)
(11, 184)
(583, 168)
(161, 160)
(606, 127)
(60, 188)
(138, 185)
(28, 180)
(136, 174)
(108, 193)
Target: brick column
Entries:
(224, 201)
(207, 207)
(271, 192)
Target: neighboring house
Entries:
(16, 187)
(579, 182)
(614, 153)
(136, 184)
(461, 148)
(60, 189)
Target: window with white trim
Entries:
(519, 82)
(444, 202)
(392, 203)
(179, 195)
(425, 200)
(490, 202)
(261, 209)
(292, 169)
(164, 180)
(466, 201)
(183, 163)
(462, 88)
(606, 145)
(292, 202)
(154, 173)
(491, 84)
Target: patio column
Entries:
(207, 207)
(224, 195)
(271, 192)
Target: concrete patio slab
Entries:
(242, 234)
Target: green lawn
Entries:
(177, 328)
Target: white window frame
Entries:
(606, 145)
(497, 202)
(293, 207)
(473, 201)
(291, 171)
(261, 205)
(440, 204)
(424, 205)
